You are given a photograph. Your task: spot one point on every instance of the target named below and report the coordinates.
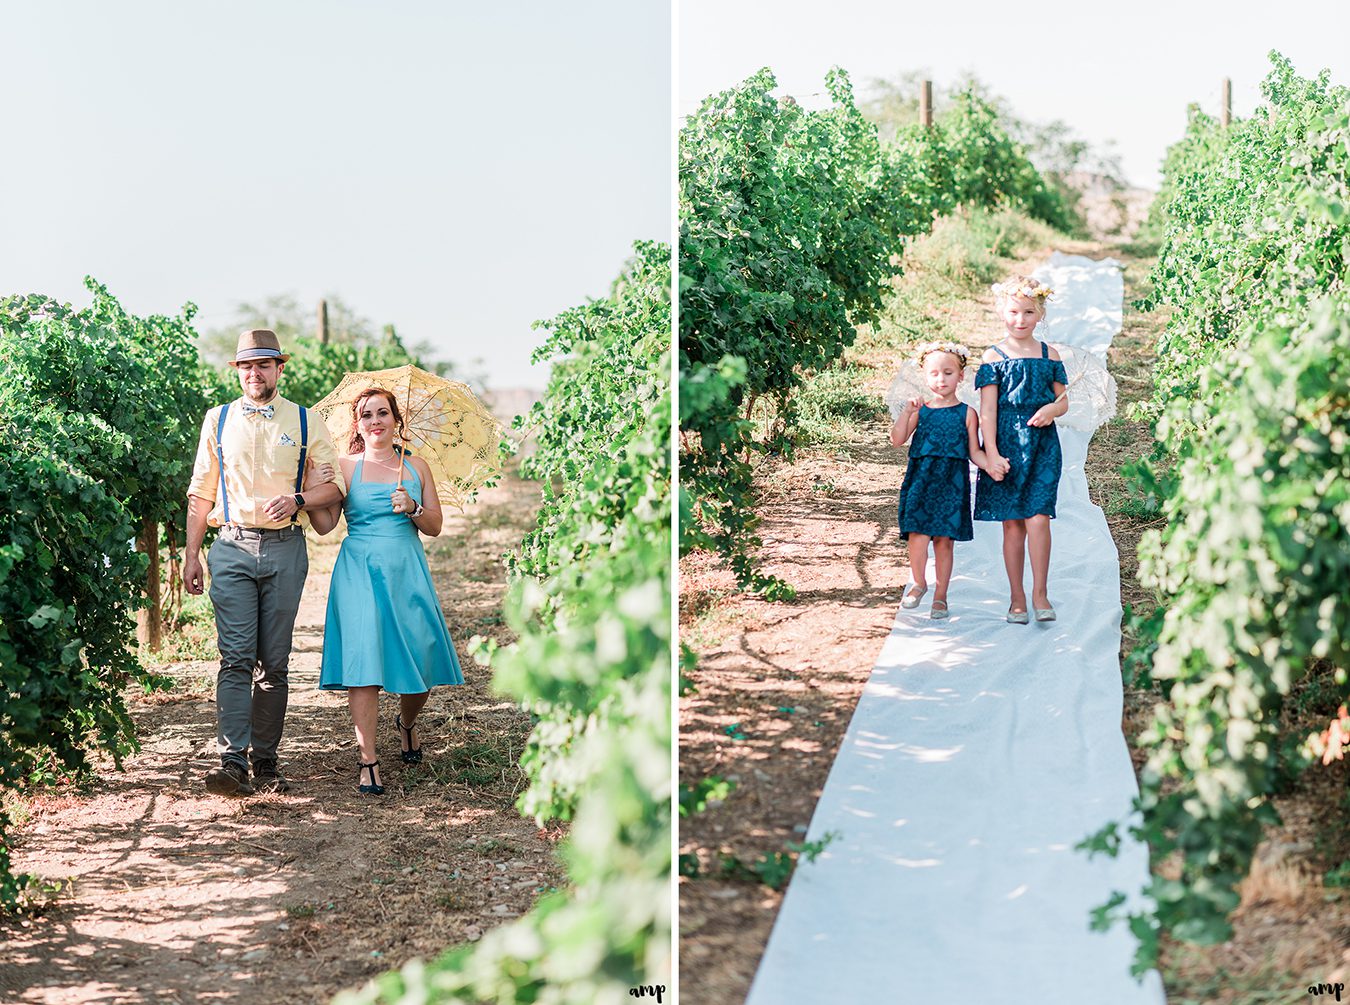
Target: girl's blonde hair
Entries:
(926, 349)
(1022, 286)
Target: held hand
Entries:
(1043, 417)
(280, 508)
(193, 580)
(402, 502)
(317, 473)
(999, 466)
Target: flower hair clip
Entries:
(1033, 290)
(926, 349)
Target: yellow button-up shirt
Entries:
(261, 457)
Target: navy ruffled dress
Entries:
(935, 495)
(1031, 488)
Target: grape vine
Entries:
(98, 424)
(1252, 390)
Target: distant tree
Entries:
(297, 325)
(284, 314)
(1068, 163)
(893, 102)
(1053, 147)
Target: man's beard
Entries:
(261, 395)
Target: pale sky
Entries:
(458, 170)
(1112, 71)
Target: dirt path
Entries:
(179, 896)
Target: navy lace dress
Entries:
(935, 495)
(1031, 488)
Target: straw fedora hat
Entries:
(259, 343)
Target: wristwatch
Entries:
(417, 512)
(299, 502)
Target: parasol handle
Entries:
(400, 464)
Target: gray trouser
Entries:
(256, 580)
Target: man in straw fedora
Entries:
(248, 481)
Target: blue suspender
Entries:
(220, 460)
(304, 447)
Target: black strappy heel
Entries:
(373, 789)
(411, 755)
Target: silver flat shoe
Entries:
(939, 611)
(1018, 617)
(1045, 613)
(911, 599)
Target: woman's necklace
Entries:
(381, 462)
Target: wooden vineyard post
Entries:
(926, 104)
(149, 624)
(1226, 103)
(323, 322)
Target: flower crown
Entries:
(1033, 289)
(926, 349)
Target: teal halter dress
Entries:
(384, 624)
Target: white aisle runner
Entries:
(980, 753)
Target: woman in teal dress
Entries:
(384, 628)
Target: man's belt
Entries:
(238, 532)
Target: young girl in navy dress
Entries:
(935, 495)
(1022, 387)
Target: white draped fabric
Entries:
(979, 754)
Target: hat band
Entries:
(256, 353)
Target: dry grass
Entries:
(1122, 441)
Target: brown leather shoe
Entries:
(266, 777)
(230, 779)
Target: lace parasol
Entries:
(447, 425)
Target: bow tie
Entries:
(266, 411)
